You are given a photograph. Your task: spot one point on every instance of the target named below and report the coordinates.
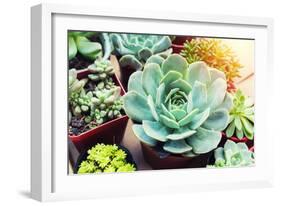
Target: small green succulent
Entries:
(79, 42)
(233, 155)
(107, 83)
(241, 121)
(106, 105)
(135, 49)
(183, 108)
(100, 70)
(105, 158)
(75, 85)
(80, 103)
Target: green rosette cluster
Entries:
(181, 108)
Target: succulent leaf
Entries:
(136, 107)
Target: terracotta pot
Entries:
(83, 156)
(109, 133)
(159, 159)
(178, 42)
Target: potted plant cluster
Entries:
(185, 108)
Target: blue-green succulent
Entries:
(135, 49)
(233, 155)
(79, 42)
(179, 107)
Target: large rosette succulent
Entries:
(179, 107)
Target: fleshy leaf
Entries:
(155, 130)
(136, 107)
(189, 154)
(160, 95)
(238, 123)
(239, 133)
(217, 120)
(215, 74)
(216, 93)
(144, 54)
(88, 49)
(230, 129)
(188, 118)
(198, 71)
(163, 44)
(139, 132)
(130, 61)
(151, 78)
(152, 107)
(134, 83)
(199, 119)
(181, 133)
(170, 77)
(167, 113)
(169, 122)
(176, 146)
(178, 113)
(204, 140)
(199, 95)
(180, 84)
(247, 125)
(175, 63)
(72, 49)
(227, 102)
(155, 59)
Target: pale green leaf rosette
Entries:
(233, 155)
(181, 108)
(135, 49)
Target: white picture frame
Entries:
(49, 177)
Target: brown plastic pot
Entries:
(109, 133)
(126, 72)
(178, 42)
(159, 159)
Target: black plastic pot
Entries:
(83, 156)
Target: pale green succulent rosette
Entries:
(183, 108)
(233, 155)
(135, 49)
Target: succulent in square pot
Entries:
(133, 50)
(105, 158)
(216, 54)
(241, 122)
(85, 47)
(232, 154)
(177, 108)
(96, 108)
(178, 42)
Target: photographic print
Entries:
(148, 102)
